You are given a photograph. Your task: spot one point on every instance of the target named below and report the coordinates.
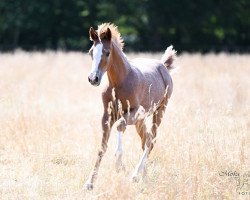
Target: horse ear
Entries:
(106, 35)
(92, 34)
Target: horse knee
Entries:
(121, 126)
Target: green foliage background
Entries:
(146, 25)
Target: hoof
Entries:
(120, 167)
(89, 186)
(135, 179)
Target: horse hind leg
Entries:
(147, 139)
(157, 118)
(141, 130)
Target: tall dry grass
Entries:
(50, 131)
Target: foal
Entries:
(135, 89)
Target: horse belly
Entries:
(153, 93)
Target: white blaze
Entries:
(97, 55)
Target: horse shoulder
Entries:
(106, 95)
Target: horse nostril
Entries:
(89, 79)
(96, 79)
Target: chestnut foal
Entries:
(136, 89)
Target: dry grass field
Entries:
(50, 131)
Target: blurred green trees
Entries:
(146, 25)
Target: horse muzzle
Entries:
(94, 79)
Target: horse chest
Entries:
(127, 99)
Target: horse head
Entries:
(100, 54)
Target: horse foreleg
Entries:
(141, 130)
(104, 144)
(141, 165)
(127, 119)
(119, 164)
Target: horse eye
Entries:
(107, 54)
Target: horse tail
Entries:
(168, 58)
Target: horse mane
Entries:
(116, 36)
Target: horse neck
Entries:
(119, 66)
